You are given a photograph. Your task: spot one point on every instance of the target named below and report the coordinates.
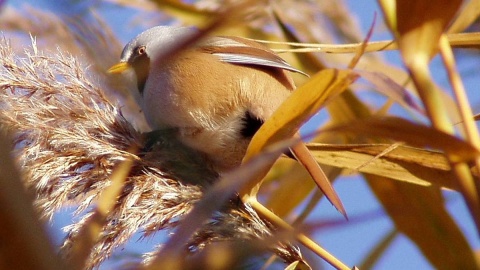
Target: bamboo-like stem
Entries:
(91, 231)
(455, 40)
(471, 132)
(458, 88)
(302, 238)
(432, 101)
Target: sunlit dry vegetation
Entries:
(72, 137)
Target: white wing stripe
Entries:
(252, 60)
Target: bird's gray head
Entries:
(147, 47)
(152, 41)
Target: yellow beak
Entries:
(119, 68)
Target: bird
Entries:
(215, 94)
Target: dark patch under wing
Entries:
(251, 125)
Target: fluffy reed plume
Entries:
(69, 137)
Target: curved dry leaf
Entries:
(25, 243)
(287, 119)
(419, 135)
(304, 156)
(413, 165)
(418, 25)
(470, 12)
(419, 213)
(299, 107)
(385, 85)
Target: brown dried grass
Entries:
(68, 138)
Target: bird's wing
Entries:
(242, 51)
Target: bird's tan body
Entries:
(206, 99)
(206, 92)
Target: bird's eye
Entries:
(141, 50)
